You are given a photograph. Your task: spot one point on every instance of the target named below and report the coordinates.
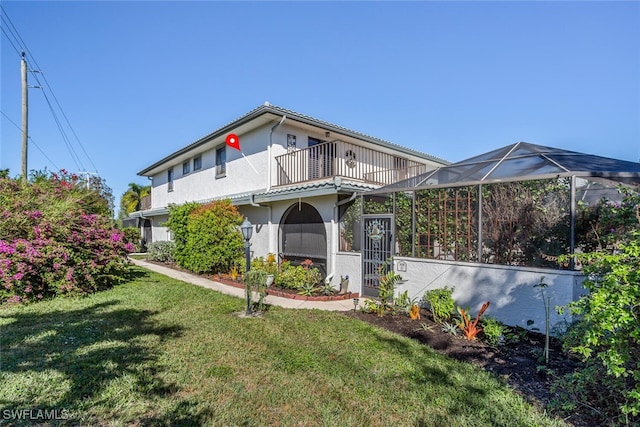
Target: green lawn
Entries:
(157, 351)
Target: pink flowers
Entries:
(45, 252)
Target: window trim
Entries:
(170, 180)
(197, 163)
(186, 168)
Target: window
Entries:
(170, 179)
(221, 162)
(186, 168)
(197, 163)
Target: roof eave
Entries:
(291, 115)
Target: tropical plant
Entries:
(449, 328)
(131, 199)
(308, 289)
(470, 326)
(414, 312)
(386, 290)
(441, 303)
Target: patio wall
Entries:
(514, 300)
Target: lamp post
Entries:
(247, 231)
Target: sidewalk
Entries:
(343, 305)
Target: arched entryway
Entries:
(303, 236)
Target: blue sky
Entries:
(139, 80)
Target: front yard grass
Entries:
(157, 351)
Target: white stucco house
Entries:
(353, 203)
(292, 178)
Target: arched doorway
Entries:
(303, 236)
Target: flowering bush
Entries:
(52, 242)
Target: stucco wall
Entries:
(158, 231)
(349, 263)
(514, 299)
(202, 184)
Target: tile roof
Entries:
(291, 115)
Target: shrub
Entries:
(132, 235)
(441, 303)
(207, 237)
(52, 243)
(298, 277)
(163, 251)
(607, 334)
(177, 223)
(493, 330)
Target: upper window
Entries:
(221, 162)
(186, 168)
(197, 163)
(170, 179)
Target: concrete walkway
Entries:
(343, 305)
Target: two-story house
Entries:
(292, 177)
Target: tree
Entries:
(131, 199)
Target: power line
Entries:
(15, 34)
(31, 140)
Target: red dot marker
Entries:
(233, 141)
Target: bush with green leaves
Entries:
(161, 251)
(607, 333)
(177, 223)
(493, 330)
(207, 237)
(299, 278)
(441, 303)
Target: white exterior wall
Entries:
(514, 299)
(203, 184)
(349, 264)
(158, 231)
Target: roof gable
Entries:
(271, 113)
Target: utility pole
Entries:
(25, 116)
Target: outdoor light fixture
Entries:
(355, 303)
(247, 231)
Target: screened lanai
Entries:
(520, 205)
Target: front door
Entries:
(377, 251)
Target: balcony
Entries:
(145, 203)
(339, 158)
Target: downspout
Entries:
(269, 167)
(269, 150)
